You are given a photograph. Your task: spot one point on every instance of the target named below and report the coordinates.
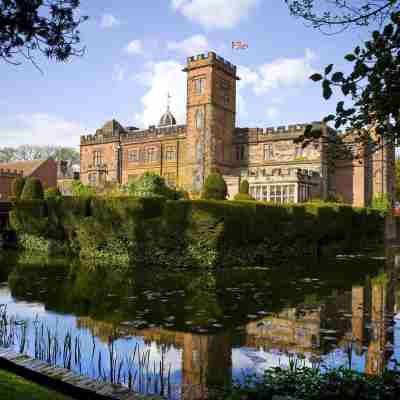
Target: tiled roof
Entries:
(28, 167)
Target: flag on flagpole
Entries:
(239, 44)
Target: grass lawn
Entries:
(12, 387)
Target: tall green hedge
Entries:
(18, 186)
(189, 233)
(33, 189)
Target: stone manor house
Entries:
(276, 168)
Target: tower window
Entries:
(240, 152)
(199, 85)
(268, 152)
(97, 158)
(199, 119)
(224, 86)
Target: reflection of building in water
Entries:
(207, 363)
(357, 317)
(289, 331)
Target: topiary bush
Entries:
(243, 197)
(18, 186)
(244, 187)
(214, 188)
(52, 192)
(33, 190)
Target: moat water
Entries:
(187, 332)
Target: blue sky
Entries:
(135, 53)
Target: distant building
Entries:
(45, 170)
(277, 169)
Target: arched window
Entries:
(199, 119)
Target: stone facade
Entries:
(7, 177)
(277, 169)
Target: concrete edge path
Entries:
(65, 381)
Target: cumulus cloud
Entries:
(191, 46)
(109, 21)
(160, 79)
(285, 72)
(41, 129)
(219, 14)
(134, 47)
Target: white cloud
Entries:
(109, 21)
(221, 14)
(247, 76)
(161, 78)
(41, 129)
(285, 72)
(191, 46)
(134, 47)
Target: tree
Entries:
(151, 184)
(45, 26)
(214, 188)
(244, 187)
(18, 186)
(342, 14)
(52, 193)
(31, 152)
(33, 190)
(397, 184)
(374, 88)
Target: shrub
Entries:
(52, 192)
(244, 187)
(243, 197)
(79, 189)
(334, 198)
(18, 186)
(381, 202)
(33, 190)
(214, 188)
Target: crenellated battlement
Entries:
(153, 132)
(99, 138)
(10, 173)
(211, 57)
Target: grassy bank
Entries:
(191, 233)
(12, 387)
(312, 384)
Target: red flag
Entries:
(239, 44)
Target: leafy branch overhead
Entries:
(337, 15)
(373, 86)
(45, 26)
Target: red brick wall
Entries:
(6, 186)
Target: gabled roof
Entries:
(27, 167)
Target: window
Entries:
(282, 193)
(97, 158)
(199, 85)
(268, 152)
(133, 155)
(151, 154)
(92, 179)
(224, 86)
(240, 151)
(199, 118)
(299, 152)
(170, 153)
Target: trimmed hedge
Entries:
(189, 233)
(33, 189)
(18, 186)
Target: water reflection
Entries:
(211, 326)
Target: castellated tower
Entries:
(211, 112)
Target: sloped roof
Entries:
(28, 167)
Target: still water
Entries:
(185, 332)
